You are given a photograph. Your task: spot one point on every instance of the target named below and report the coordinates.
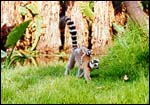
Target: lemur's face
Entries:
(94, 64)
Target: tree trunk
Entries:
(50, 40)
(102, 33)
(7, 12)
(137, 14)
(8, 20)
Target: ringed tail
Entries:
(72, 30)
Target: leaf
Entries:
(22, 10)
(38, 22)
(91, 4)
(123, 43)
(16, 33)
(87, 11)
(3, 54)
(33, 8)
(118, 28)
(15, 59)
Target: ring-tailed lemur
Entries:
(80, 55)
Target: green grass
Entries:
(47, 84)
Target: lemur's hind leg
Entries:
(80, 73)
(70, 64)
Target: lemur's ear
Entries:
(92, 61)
(97, 60)
(88, 53)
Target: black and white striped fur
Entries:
(72, 30)
(80, 54)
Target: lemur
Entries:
(80, 54)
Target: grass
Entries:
(47, 84)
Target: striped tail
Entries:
(72, 30)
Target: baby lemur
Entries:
(80, 54)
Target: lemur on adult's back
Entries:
(80, 54)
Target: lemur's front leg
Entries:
(87, 75)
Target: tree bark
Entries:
(102, 32)
(50, 40)
(138, 15)
(7, 12)
(8, 20)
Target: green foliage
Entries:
(118, 28)
(12, 39)
(22, 10)
(33, 8)
(38, 22)
(91, 5)
(86, 9)
(129, 54)
(15, 58)
(16, 34)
